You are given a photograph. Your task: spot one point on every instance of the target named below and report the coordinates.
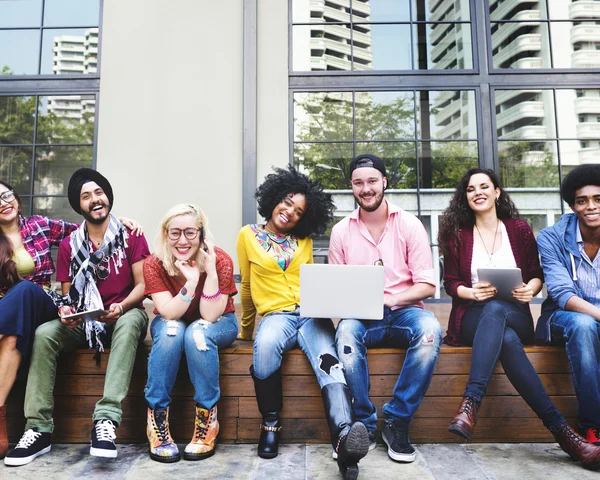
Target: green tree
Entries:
(527, 164)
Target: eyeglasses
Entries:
(96, 260)
(7, 196)
(175, 233)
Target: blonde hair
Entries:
(163, 251)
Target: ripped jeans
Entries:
(412, 328)
(279, 332)
(201, 341)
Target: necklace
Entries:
(490, 255)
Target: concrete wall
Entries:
(170, 110)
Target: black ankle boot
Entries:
(269, 399)
(349, 440)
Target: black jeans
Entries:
(496, 329)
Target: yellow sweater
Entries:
(265, 286)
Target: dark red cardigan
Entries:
(457, 268)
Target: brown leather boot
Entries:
(465, 419)
(576, 446)
(3, 434)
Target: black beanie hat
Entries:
(84, 175)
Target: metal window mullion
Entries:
(33, 152)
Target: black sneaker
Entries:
(103, 439)
(32, 445)
(395, 435)
(372, 443)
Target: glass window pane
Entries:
(520, 45)
(384, 115)
(69, 51)
(323, 116)
(525, 114)
(399, 158)
(578, 113)
(16, 119)
(444, 163)
(15, 168)
(327, 162)
(572, 9)
(321, 47)
(66, 119)
(528, 164)
(23, 60)
(445, 115)
(443, 46)
(55, 207)
(440, 10)
(20, 13)
(382, 10)
(71, 13)
(522, 10)
(381, 47)
(536, 222)
(583, 48)
(578, 152)
(55, 165)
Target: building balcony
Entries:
(502, 12)
(519, 112)
(318, 64)
(339, 63)
(317, 6)
(529, 132)
(531, 42)
(439, 32)
(344, 32)
(585, 33)
(585, 105)
(449, 130)
(584, 9)
(507, 30)
(525, 63)
(439, 9)
(503, 96)
(445, 62)
(588, 155)
(585, 59)
(438, 50)
(588, 130)
(447, 112)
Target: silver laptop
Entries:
(341, 291)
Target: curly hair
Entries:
(578, 178)
(319, 205)
(8, 268)
(460, 215)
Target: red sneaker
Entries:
(592, 435)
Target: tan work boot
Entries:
(206, 429)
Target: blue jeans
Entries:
(496, 330)
(410, 327)
(279, 332)
(201, 341)
(580, 334)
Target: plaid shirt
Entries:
(39, 234)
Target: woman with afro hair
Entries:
(270, 254)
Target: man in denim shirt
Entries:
(571, 313)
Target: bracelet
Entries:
(121, 308)
(184, 298)
(211, 297)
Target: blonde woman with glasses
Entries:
(191, 283)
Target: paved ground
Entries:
(434, 461)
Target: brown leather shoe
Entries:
(577, 447)
(465, 419)
(3, 435)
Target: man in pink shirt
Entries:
(379, 233)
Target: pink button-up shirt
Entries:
(403, 248)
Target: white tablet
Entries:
(504, 279)
(89, 314)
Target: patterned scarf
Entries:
(84, 270)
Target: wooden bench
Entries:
(504, 416)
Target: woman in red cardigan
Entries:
(480, 228)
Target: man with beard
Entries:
(100, 267)
(379, 233)
(571, 313)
